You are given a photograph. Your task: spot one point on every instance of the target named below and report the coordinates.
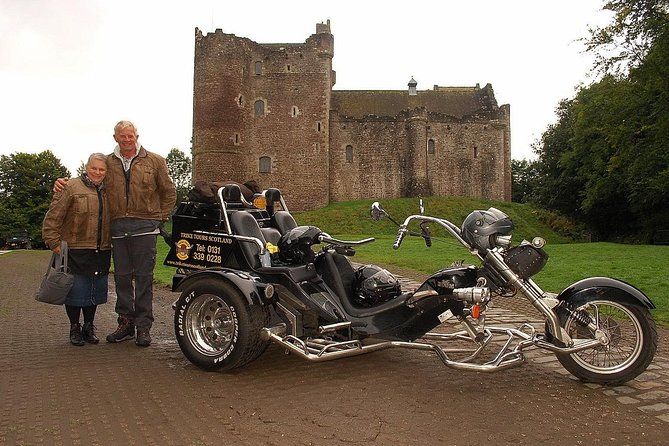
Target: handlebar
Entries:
(450, 227)
(401, 233)
(325, 238)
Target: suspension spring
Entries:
(564, 312)
(581, 317)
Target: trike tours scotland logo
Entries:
(182, 249)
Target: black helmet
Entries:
(295, 245)
(481, 229)
(376, 285)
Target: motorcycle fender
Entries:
(612, 289)
(250, 288)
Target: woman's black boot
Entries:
(75, 335)
(88, 333)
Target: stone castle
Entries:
(268, 112)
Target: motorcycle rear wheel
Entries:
(632, 342)
(215, 326)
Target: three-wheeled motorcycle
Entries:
(248, 275)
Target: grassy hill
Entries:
(352, 217)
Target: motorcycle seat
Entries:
(283, 221)
(244, 223)
(338, 274)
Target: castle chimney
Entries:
(412, 87)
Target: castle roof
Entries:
(456, 102)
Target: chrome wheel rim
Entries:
(624, 338)
(211, 325)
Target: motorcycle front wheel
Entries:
(631, 341)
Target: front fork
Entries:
(535, 295)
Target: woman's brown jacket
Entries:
(79, 214)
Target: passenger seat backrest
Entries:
(271, 235)
(283, 221)
(243, 223)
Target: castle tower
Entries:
(261, 111)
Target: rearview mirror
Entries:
(376, 211)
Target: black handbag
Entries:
(57, 281)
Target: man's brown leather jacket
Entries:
(147, 192)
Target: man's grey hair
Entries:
(124, 125)
(97, 156)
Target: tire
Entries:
(632, 342)
(215, 326)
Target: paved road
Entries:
(108, 394)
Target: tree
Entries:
(523, 180)
(26, 181)
(625, 43)
(605, 161)
(181, 170)
(557, 186)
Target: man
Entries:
(141, 197)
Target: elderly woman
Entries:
(79, 215)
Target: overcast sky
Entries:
(71, 69)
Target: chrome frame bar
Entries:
(320, 349)
(224, 210)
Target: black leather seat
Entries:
(283, 221)
(271, 235)
(243, 223)
(338, 274)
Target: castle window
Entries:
(430, 146)
(349, 153)
(287, 67)
(318, 126)
(265, 164)
(240, 100)
(259, 107)
(295, 111)
(476, 152)
(237, 139)
(258, 68)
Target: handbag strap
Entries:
(54, 262)
(61, 260)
